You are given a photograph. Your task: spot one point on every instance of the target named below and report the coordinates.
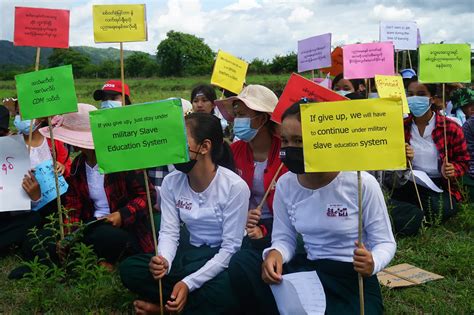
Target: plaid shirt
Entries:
(457, 148)
(157, 174)
(125, 193)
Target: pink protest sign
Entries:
(314, 53)
(41, 27)
(363, 61)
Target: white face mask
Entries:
(343, 93)
(110, 104)
(373, 95)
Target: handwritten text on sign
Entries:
(119, 23)
(15, 163)
(41, 27)
(229, 72)
(314, 53)
(445, 63)
(139, 136)
(45, 176)
(403, 35)
(363, 61)
(47, 92)
(391, 86)
(368, 131)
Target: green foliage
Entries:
(183, 54)
(140, 64)
(259, 66)
(79, 62)
(284, 64)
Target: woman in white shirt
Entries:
(323, 209)
(212, 202)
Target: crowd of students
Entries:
(225, 231)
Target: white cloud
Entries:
(383, 13)
(300, 14)
(244, 5)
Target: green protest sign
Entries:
(445, 63)
(139, 136)
(47, 92)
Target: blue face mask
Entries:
(110, 104)
(242, 129)
(418, 105)
(373, 95)
(343, 93)
(23, 126)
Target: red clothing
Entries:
(62, 155)
(245, 166)
(125, 193)
(457, 147)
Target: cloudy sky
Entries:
(265, 28)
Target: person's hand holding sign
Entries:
(60, 168)
(448, 170)
(363, 261)
(158, 267)
(410, 153)
(253, 217)
(31, 186)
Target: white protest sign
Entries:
(403, 35)
(14, 164)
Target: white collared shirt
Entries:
(426, 154)
(40, 153)
(95, 183)
(258, 189)
(327, 219)
(215, 217)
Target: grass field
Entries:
(447, 250)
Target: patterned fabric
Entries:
(125, 193)
(456, 144)
(462, 97)
(157, 174)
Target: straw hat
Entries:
(256, 97)
(74, 128)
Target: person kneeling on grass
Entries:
(323, 209)
(118, 198)
(212, 202)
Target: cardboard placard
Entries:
(229, 72)
(119, 23)
(391, 86)
(46, 92)
(444, 63)
(44, 174)
(405, 275)
(370, 132)
(14, 164)
(139, 136)
(314, 52)
(403, 35)
(299, 87)
(38, 27)
(337, 63)
(364, 61)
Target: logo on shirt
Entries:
(184, 203)
(336, 210)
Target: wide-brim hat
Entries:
(74, 128)
(256, 97)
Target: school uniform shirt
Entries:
(426, 155)
(214, 217)
(327, 219)
(456, 144)
(95, 183)
(40, 154)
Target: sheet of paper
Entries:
(45, 176)
(404, 275)
(424, 180)
(300, 293)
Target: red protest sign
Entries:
(336, 63)
(41, 27)
(299, 87)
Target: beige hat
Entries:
(74, 128)
(256, 97)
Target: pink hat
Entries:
(74, 128)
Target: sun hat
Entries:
(74, 128)
(114, 86)
(408, 73)
(256, 97)
(462, 97)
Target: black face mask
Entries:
(186, 167)
(293, 159)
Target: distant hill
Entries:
(15, 56)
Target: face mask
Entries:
(293, 159)
(242, 129)
(418, 105)
(343, 93)
(373, 95)
(110, 104)
(23, 126)
(186, 167)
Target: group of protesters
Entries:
(242, 211)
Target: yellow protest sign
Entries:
(119, 23)
(229, 72)
(358, 135)
(391, 86)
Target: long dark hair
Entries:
(204, 126)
